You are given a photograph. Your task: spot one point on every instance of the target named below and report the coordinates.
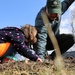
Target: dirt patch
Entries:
(33, 68)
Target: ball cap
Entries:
(54, 6)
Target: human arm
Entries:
(66, 4)
(40, 47)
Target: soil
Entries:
(33, 68)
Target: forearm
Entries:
(41, 42)
(26, 52)
(66, 4)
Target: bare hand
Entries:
(39, 60)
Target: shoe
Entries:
(6, 60)
(51, 57)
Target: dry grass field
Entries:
(33, 68)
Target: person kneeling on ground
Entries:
(13, 39)
(54, 9)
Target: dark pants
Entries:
(65, 41)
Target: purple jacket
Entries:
(16, 37)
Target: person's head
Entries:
(53, 8)
(30, 33)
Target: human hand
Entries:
(39, 60)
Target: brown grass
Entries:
(33, 68)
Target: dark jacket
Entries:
(16, 37)
(42, 32)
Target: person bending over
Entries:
(13, 39)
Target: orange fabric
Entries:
(4, 47)
(7, 59)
